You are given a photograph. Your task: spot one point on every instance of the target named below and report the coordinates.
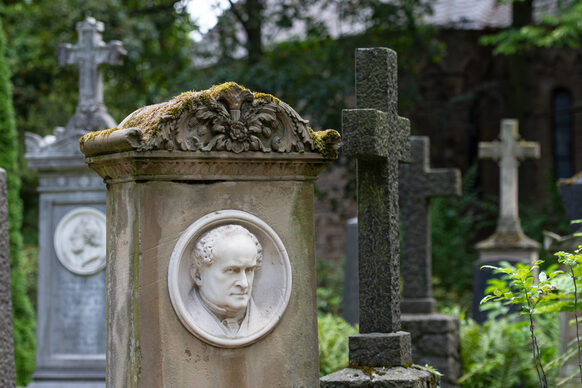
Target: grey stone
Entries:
(377, 169)
(380, 349)
(151, 343)
(508, 242)
(350, 305)
(71, 306)
(377, 137)
(418, 183)
(7, 368)
(91, 113)
(397, 377)
(436, 342)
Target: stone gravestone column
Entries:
(71, 279)
(350, 305)
(211, 279)
(378, 138)
(435, 337)
(7, 368)
(508, 243)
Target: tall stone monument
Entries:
(7, 368)
(71, 280)
(435, 337)
(211, 276)
(374, 134)
(508, 243)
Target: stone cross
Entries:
(418, 182)
(508, 152)
(88, 54)
(7, 371)
(377, 137)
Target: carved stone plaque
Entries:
(80, 241)
(229, 278)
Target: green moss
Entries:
(266, 97)
(91, 135)
(369, 371)
(326, 142)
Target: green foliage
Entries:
(562, 29)
(497, 354)
(455, 224)
(330, 279)
(334, 333)
(24, 335)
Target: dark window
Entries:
(562, 123)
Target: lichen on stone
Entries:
(326, 142)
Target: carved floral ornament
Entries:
(226, 117)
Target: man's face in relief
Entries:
(228, 281)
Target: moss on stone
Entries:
(326, 142)
(266, 97)
(91, 135)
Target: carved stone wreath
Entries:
(227, 117)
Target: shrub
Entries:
(334, 333)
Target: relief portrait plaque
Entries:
(80, 241)
(229, 278)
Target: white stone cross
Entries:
(509, 152)
(88, 54)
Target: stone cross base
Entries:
(381, 349)
(418, 305)
(436, 342)
(370, 377)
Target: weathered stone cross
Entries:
(509, 151)
(418, 182)
(89, 53)
(378, 138)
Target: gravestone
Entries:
(570, 192)
(508, 243)
(71, 279)
(211, 276)
(7, 368)
(435, 337)
(380, 355)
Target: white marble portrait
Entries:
(229, 278)
(80, 241)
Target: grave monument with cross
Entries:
(90, 51)
(435, 337)
(377, 137)
(70, 346)
(508, 242)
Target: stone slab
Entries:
(436, 342)
(381, 349)
(397, 377)
(149, 345)
(7, 367)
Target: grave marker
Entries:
(191, 182)
(71, 277)
(435, 337)
(377, 137)
(7, 368)
(508, 243)
(419, 182)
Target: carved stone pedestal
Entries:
(211, 275)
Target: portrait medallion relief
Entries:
(229, 278)
(80, 241)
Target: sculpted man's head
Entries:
(223, 267)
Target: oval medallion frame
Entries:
(68, 238)
(271, 288)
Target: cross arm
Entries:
(444, 181)
(490, 150)
(527, 150)
(365, 133)
(111, 53)
(66, 54)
